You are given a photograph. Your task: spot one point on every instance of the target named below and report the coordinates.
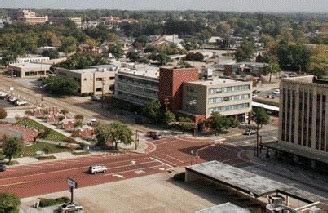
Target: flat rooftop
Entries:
(248, 182)
(100, 68)
(298, 150)
(142, 71)
(28, 65)
(216, 81)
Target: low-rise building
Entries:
(29, 70)
(95, 80)
(228, 97)
(32, 59)
(138, 85)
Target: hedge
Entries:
(51, 202)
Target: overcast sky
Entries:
(218, 5)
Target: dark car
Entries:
(2, 167)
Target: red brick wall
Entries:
(170, 85)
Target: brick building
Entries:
(170, 85)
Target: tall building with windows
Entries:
(226, 96)
(138, 85)
(303, 113)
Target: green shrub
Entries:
(9, 203)
(51, 202)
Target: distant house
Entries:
(215, 40)
(166, 40)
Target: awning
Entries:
(268, 107)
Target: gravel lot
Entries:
(153, 193)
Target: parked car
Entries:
(95, 98)
(249, 132)
(70, 207)
(12, 99)
(154, 135)
(20, 102)
(3, 167)
(3, 95)
(276, 92)
(97, 169)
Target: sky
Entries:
(213, 5)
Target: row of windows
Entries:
(228, 108)
(229, 98)
(229, 89)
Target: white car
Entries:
(97, 169)
(20, 103)
(12, 99)
(70, 207)
(3, 94)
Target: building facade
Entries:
(29, 70)
(137, 86)
(170, 85)
(27, 16)
(95, 80)
(228, 97)
(303, 113)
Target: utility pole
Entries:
(136, 139)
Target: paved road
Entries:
(37, 179)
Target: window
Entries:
(99, 79)
(98, 89)
(111, 78)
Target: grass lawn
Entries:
(51, 136)
(51, 148)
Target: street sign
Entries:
(72, 183)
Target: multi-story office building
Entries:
(228, 97)
(27, 16)
(303, 114)
(95, 80)
(138, 85)
(171, 81)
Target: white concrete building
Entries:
(137, 85)
(95, 80)
(29, 70)
(228, 97)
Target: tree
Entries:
(78, 117)
(261, 118)
(273, 66)
(186, 124)
(9, 203)
(102, 134)
(168, 118)
(64, 112)
(194, 56)
(246, 51)
(12, 146)
(116, 50)
(120, 133)
(68, 44)
(3, 113)
(60, 85)
(78, 123)
(221, 123)
(115, 132)
(152, 110)
(51, 53)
